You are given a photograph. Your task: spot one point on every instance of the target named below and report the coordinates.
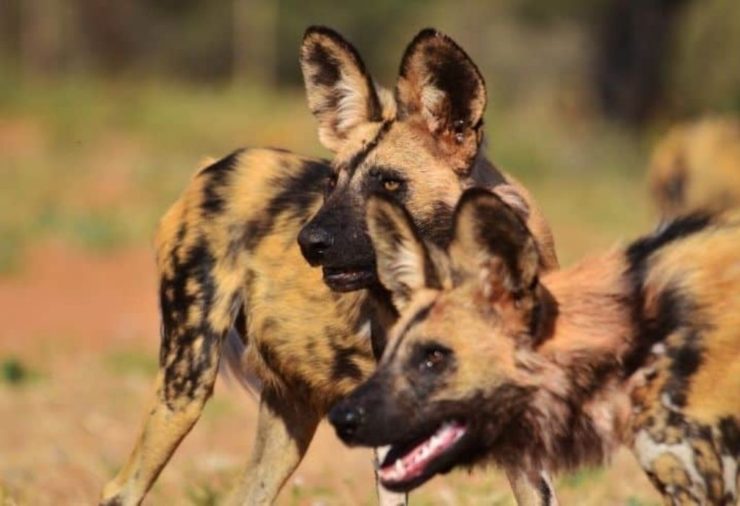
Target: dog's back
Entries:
(686, 427)
(696, 166)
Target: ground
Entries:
(88, 170)
(71, 418)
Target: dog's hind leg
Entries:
(199, 298)
(285, 427)
(168, 422)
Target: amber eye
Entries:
(391, 185)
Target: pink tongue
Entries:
(413, 463)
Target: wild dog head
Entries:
(418, 146)
(451, 379)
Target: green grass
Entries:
(204, 495)
(633, 501)
(298, 495)
(580, 478)
(131, 362)
(14, 372)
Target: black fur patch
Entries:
(217, 176)
(298, 193)
(174, 299)
(589, 375)
(484, 173)
(328, 73)
(545, 492)
(640, 251)
(685, 361)
(177, 352)
(343, 364)
(420, 315)
(672, 307)
(361, 155)
(730, 429)
(240, 324)
(672, 311)
(436, 228)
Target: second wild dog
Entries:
(494, 361)
(696, 166)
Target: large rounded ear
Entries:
(403, 260)
(441, 84)
(340, 91)
(492, 243)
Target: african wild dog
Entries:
(491, 362)
(696, 166)
(233, 279)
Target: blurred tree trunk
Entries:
(255, 41)
(633, 51)
(9, 31)
(41, 36)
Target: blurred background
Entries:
(107, 108)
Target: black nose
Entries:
(314, 241)
(346, 420)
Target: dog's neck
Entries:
(580, 405)
(484, 174)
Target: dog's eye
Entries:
(390, 180)
(391, 185)
(435, 359)
(331, 183)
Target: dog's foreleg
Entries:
(285, 427)
(385, 496)
(532, 488)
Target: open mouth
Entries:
(408, 466)
(348, 279)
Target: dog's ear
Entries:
(403, 260)
(340, 92)
(442, 85)
(492, 243)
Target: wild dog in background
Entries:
(491, 362)
(697, 166)
(233, 280)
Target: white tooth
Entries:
(399, 466)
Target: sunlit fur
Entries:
(637, 346)
(697, 166)
(235, 288)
